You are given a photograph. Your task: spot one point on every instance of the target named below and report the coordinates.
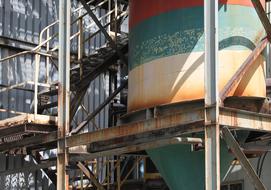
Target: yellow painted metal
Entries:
(182, 78)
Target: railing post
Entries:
(80, 42)
(47, 58)
(36, 80)
(116, 20)
(109, 16)
(118, 173)
(108, 172)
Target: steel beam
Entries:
(238, 75)
(240, 119)
(263, 17)
(212, 138)
(63, 93)
(28, 119)
(166, 124)
(30, 141)
(235, 148)
(26, 129)
(136, 148)
(185, 122)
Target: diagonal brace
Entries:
(96, 111)
(263, 17)
(90, 176)
(249, 170)
(103, 30)
(238, 75)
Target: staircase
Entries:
(82, 73)
(92, 66)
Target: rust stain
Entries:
(154, 84)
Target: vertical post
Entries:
(81, 180)
(36, 81)
(63, 94)
(212, 140)
(116, 20)
(109, 16)
(268, 59)
(108, 172)
(47, 58)
(80, 42)
(118, 173)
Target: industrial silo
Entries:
(166, 65)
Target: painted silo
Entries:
(166, 65)
(166, 60)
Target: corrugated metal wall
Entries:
(23, 20)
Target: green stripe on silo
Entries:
(181, 31)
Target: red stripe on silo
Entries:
(141, 10)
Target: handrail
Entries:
(92, 23)
(34, 50)
(102, 17)
(22, 84)
(83, 15)
(25, 52)
(48, 52)
(95, 33)
(79, 8)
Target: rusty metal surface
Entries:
(263, 17)
(243, 70)
(179, 118)
(13, 129)
(174, 86)
(187, 120)
(234, 118)
(240, 119)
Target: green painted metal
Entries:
(183, 169)
(164, 35)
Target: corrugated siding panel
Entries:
(12, 72)
(23, 20)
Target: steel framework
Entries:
(145, 129)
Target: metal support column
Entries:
(63, 93)
(212, 141)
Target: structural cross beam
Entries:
(90, 176)
(238, 75)
(100, 107)
(263, 17)
(235, 148)
(166, 124)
